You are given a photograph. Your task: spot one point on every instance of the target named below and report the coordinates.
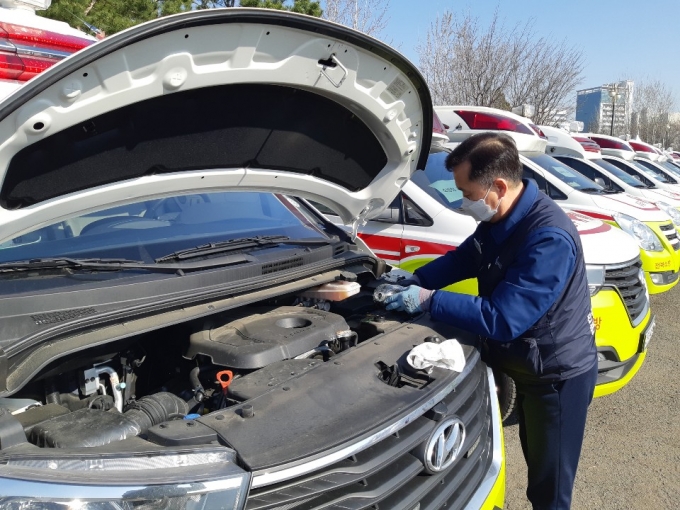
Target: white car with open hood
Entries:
(178, 324)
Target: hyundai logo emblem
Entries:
(444, 445)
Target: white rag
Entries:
(448, 354)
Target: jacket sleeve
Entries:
(530, 287)
(455, 266)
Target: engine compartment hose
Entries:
(115, 385)
(154, 409)
(196, 386)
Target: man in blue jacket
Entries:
(533, 311)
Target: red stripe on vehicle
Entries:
(600, 228)
(381, 243)
(651, 206)
(605, 217)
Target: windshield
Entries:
(438, 182)
(617, 172)
(673, 169)
(650, 171)
(566, 174)
(144, 231)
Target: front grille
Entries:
(390, 474)
(627, 281)
(671, 234)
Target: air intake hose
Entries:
(154, 409)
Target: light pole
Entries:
(613, 94)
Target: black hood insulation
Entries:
(228, 126)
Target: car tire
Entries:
(507, 394)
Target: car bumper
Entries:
(613, 379)
(491, 493)
(617, 340)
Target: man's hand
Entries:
(407, 282)
(412, 299)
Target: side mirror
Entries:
(600, 181)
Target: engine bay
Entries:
(152, 386)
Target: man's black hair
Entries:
(491, 156)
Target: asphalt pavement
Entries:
(631, 451)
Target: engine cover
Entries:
(248, 339)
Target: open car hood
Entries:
(214, 100)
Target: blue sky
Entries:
(625, 39)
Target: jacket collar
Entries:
(504, 228)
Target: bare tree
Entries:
(547, 79)
(368, 16)
(653, 101)
(467, 64)
(494, 65)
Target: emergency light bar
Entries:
(641, 147)
(491, 121)
(607, 143)
(27, 51)
(538, 131)
(587, 144)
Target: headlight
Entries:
(644, 235)
(125, 482)
(670, 211)
(595, 275)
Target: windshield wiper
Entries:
(243, 243)
(98, 264)
(94, 264)
(592, 190)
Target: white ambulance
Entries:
(654, 159)
(650, 226)
(621, 154)
(584, 156)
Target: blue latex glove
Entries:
(412, 280)
(412, 299)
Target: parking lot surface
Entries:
(631, 451)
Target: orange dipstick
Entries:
(224, 378)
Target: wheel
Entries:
(507, 393)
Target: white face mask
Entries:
(479, 209)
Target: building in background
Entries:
(606, 109)
(560, 118)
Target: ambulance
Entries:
(584, 156)
(621, 154)
(652, 158)
(651, 227)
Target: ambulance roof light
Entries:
(492, 121)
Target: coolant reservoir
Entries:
(333, 291)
